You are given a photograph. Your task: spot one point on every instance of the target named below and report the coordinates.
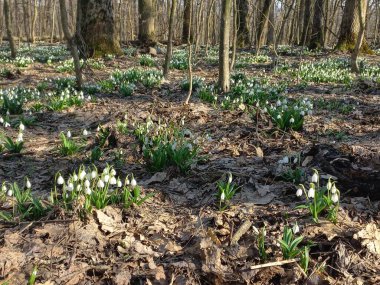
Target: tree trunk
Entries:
(243, 31)
(189, 59)
(169, 48)
(224, 46)
(264, 17)
(71, 43)
(96, 29)
(8, 27)
(317, 30)
(186, 29)
(306, 23)
(350, 27)
(271, 32)
(146, 22)
(234, 35)
(354, 57)
(53, 22)
(34, 19)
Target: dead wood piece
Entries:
(275, 263)
(241, 231)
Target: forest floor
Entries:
(179, 236)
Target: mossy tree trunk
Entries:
(146, 22)
(8, 27)
(243, 19)
(350, 26)
(224, 46)
(96, 29)
(317, 30)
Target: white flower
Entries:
(278, 103)
(1, 120)
(296, 228)
(127, 182)
(314, 178)
(302, 113)
(329, 185)
(22, 127)
(278, 116)
(222, 196)
(93, 174)
(75, 177)
(82, 175)
(133, 182)
(88, 191)
(68, 134)
(87, 183)
(229, 178)
(119, 184)
(79, 187)
(28, 184)
(113, 172)
(20, 137)
(311, 192)
(106, 178)
(100, 183)
(60, 180)
(113, 180)
(291, 120)
(299, 192)
(4, 188)
(333, 189)
(70, 187)
(335, 198)
(6, 125)
(85, 132)
(10, 193)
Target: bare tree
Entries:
(187, 14)
(189, 59)
(8, 26)
(224, 46)
(243, 20)
(362, 5)
(317, 30)
(264, 17)
(169, 48)
(71, 43)
(96, 29)
(146, 22)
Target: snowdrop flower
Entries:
(278, 116)
(75, 177)
(119, 184)
(4, 188)
(291, 120)
(93, 174)
(106, 178)
(229, 178)
(299, 192)
(335, 198)
(1, 120)
(296, 228)
(79, 187)
(314, 178)
(133, 182)
(28, 184)
(82, 175)
(68, 134)
(329, 185)
(113, 172)
(127, 182)
(85, 132)
(113, 180)
(6, 125)
(87, 183)
(21, 127)
(311, 192)
(88, 191)
(70, 186)
(10, 193)
(100, 183)
(60, 180)
(278, 103)
(20, 137)
(302, 113)
(222, 196)
(333, 189)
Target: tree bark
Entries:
(272, 28)
(34, 19)
(71, 44)
(354, 57)
(96, 29)
(146, 22)
(350, 27)
(186, 29)
(169, 48)
(306, 23)
(243, 31)
(264, 17)
(317, 30)
(224, 46)
(8, 27)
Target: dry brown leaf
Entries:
(370, 238)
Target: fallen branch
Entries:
(241, 231)
(275, 263)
